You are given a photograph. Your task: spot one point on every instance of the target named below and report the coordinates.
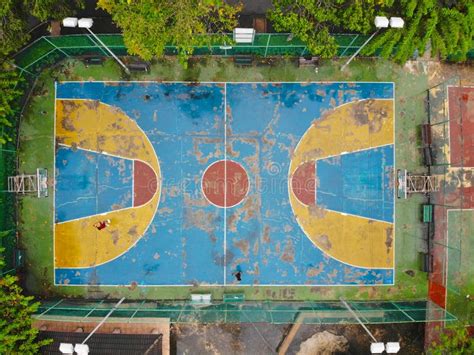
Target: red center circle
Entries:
(225, 183)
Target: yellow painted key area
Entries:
(351, 239)
(95, 126)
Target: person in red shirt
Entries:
(102, 224)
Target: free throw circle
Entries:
(225, 183)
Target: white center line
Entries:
(225, 182)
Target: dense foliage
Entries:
(313, 21)
(14, 19)
(8, 95)
(149, 25)
(444, 26)
(454, 340)
(17, 334)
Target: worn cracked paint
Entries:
(179, 130)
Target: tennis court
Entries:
(284, 183)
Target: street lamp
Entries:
(87, 24)
(376, 347)
(379, 22)
(83, 348)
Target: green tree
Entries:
(17, 334)
(53, 9)
(149, 25)
(9, 93)
(13, 26)
(14, 15)
(445, 26)
(312, 21)
(454, 340)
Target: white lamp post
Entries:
(66, 348)
(379, 22)
(83, 348)
(87, 24)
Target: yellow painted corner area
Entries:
(97, 127)
(348, 128)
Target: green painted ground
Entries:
(36, 150)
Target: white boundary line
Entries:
(54, 184)
(224, 82)
(289, 192)
(158, 191)
(447, 251)
(204, 285)
(363, 217)
(133, 182)
(394, 260)
(225, 97)
(225, 184)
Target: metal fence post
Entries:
(55, 46)
(268, 42)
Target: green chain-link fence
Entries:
(274, 312)
(48, 50)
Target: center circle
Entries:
(225, 183)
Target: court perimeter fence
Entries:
(46, 51)
(274, 312)
(451, 236)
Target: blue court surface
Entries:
(192, 241)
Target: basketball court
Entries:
(286, 183)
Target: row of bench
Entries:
(426, 256)
(135, 65)
(242, 60)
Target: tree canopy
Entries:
(14, 19)
(17, 334)
(453, 340)
(149, 25)
(313, 21)
(446, 27)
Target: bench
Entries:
(426, 262)
(308, 61)
(233, 297)
(139, 66)
(428, 156)
(201, 298)
(93, 60)
(244, 60)
(427, 213)
(426, 134)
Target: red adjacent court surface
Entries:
(303, 183)
(144, 183)
(225, 183)
(461, 125)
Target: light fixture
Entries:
(70, 22)
(82, 349)
(381, 22)
(392, 347)
(85, 23)
(377, 348)
(396, 22)
(66, 348)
